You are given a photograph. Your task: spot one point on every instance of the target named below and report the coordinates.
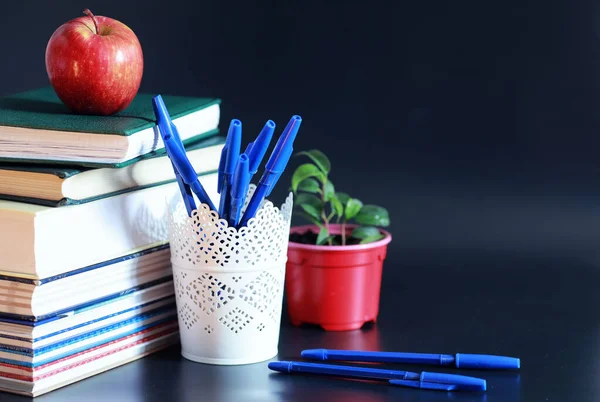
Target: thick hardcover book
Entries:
(35, 126)
(39, 242)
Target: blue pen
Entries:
(257, 149)
(241, 182)
(276, 177)
(186, 191)
(435, 381)
(229, 158)
(459, 360)
(176, 152)
(275, 166)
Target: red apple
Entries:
(95, 64)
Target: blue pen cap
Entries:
(282, 367)
(256, 149)
(471, 361)
(170, 137)
(229, 153)
(235, 142)
(241, 183)
(315, 354)
(163, 120)
(284, 145)
(281, 153)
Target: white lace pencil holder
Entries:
(229, 283)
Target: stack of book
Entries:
(85, 276)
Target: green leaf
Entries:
(303, 172)
(371, 239)
(309, 199)
(309, 185)
(337, 206)
(312, 211)
(323, 236)
(329, 190)
(373, 215)
(319, 159)
(311, 219)
(364, 232)
(353, 207)
(343, 197)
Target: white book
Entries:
(113, 308)
(93, 284)
(38, 242)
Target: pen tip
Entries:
(271, 124)
(236, 122)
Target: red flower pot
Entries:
(336, 287)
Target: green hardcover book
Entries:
(59, 185)
(36, 127)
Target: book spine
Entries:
(100, 331)
(29, 320)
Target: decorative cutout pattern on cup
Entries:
(209, 293)
(205, 240)
(236, 320)
(261, 292)
(188, 316)
(179, 281)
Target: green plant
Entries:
(316, 199)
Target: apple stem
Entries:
(93, 17)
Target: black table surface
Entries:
(538, 308)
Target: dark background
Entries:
(474, 122)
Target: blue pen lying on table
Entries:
(185, 174)
(424, 380)
(459, 360)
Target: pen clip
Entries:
(221, 170)
(424, 385)
(444, 382)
